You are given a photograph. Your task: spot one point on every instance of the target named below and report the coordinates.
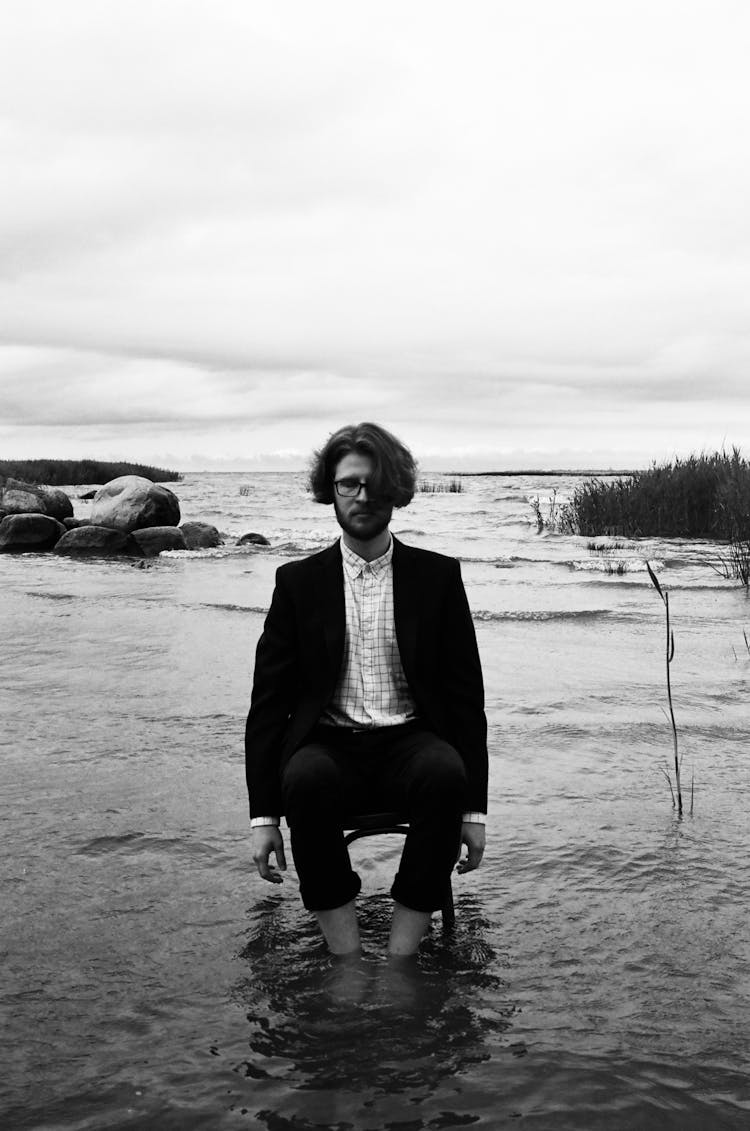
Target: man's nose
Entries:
(363, 493)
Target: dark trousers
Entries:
(339, 773)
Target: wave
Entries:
(299, 549)
(228, 607)
(283, 549)
(543, 615)
(672, 586)
(613, 565)
(132, 842)
(485, 615)
(54, 596)
(492, 559)
(208, 552)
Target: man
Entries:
(368, 696)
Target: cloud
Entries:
(497, 225)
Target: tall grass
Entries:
(59, 472)
(553, 519)
(440, 486)
(604, 547)
(735, 565)
(698, 497)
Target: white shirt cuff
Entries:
(474, 818)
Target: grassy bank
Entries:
(58, 472)
(699, 497)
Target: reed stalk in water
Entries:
(669, 657)
(448, 487)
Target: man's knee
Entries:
(309, 778)
(440, 772)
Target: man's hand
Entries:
(473, 836)
(268, 839)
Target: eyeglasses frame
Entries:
(362, 483)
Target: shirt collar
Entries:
(355, 565)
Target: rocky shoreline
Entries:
(130, 516)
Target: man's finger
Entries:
(268, 873)
(473, 858)
(281, 857)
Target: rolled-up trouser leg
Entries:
(431, 783)
(312, 798)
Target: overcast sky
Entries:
(515, 232)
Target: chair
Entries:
(376, 824)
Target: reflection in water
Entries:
(339, 1039)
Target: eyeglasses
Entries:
(349, 488)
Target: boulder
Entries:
(132, 503)
(18, 497)
(29, 533)
(97, 541)
(253, 539)
(87, 496)
(74, 523)
(58, 503)
(153, 539)
(200, 535)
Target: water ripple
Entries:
(133, 842)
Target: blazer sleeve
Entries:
(464, 690)
(274, 688)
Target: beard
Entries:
(365, 523)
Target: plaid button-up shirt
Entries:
(372, 690)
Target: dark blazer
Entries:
(300, 652)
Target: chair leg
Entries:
(447, 910)
(377, 825)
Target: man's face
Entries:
(361, 517)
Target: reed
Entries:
(676, 802)
(604, 547)
(552, 519)
(735, 565)
(440, 486)
(698, 497)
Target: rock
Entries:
(74, 523)
(18, 497)
(21, 500)
(153, 539)
(97, 541)
(29, 533)
(87, 496)
(200, 535)
(253, 539)
(58, 503)
(132, 503)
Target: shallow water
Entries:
(599, 974)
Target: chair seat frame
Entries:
(382, 824)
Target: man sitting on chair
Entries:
(367, 696)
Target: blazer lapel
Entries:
(406, 604)
(330, 596)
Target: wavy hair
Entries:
(394, 475)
